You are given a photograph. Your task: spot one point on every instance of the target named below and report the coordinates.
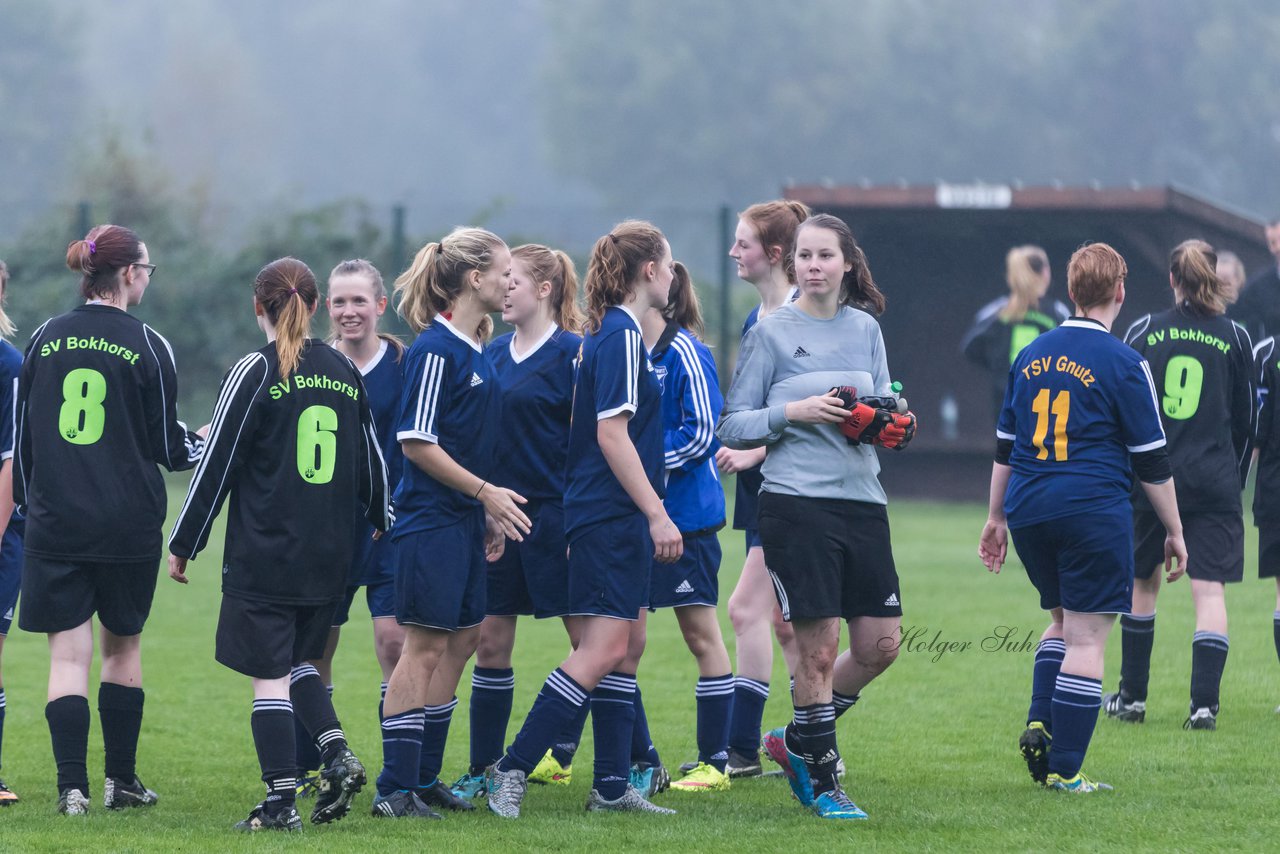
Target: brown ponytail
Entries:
(6, 325)
(104, 252)
(554, 266)
(615, 264)
(683, 308)
(1193, 265)
(286, 290)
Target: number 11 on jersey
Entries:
(1060, 410)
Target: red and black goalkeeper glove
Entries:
(864, 422)
(900, 430)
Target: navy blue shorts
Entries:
(609, 565)
(1082, 563)
(692, 580)
(380, 597)
(751, 537)
(440, 575)
(532, 577)
(10, 576)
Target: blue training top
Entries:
(691, 403)
(451, 398)
(10, 366)
(1078, 403)
(537, 400)
(615, 376)
(372, 560)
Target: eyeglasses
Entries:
(150, 268)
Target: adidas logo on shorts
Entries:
(684, 587)
(892, 601)
(475, 380)
(799, 353)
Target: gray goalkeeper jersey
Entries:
(790, 356)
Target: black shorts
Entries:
(58, 594)
(1215, 545)
(1268, 547)
(829, 557)
(266, 639)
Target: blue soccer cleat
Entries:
(797, 773)
(837, 805)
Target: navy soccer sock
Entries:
(435, 732)
(492, 689)
(1275, 630)
(1208, 658)
(558, 702)
(642, 748)
(1044, 677)
(401, 751)
(714, 698)
(566, 743)
(68, 719)
(2, 703)
(1137, 636)
(120, 712)
(313, 706)
(815, 731)
(1076, 701)
(613, 712)
(749, 696)
(382, 698)
(272, 726)
(843, 702)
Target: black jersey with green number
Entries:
(95, 413)
(1266, 494)
(301, 461)
(1203, 370)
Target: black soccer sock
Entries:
(1208, 658)
(815, 729)
(120, 711)
(1137, 635)
(2, 704)
(843, 702)
(314, 707)
(1275, 628)
(305, 747)
(272, 725)
(68, 719)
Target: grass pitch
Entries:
(930, 748)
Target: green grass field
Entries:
(930, 748)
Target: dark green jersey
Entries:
(1204, 378)
(993, 343)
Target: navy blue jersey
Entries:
(451, 398)
(10, 366)
(1078, 403)
(382, 382)
(691, 403)
(1202, 365)
(537, 400)
(615, 377)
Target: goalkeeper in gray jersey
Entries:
(822, 510)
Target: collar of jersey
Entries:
(1084, 323)
(546, 336)
(631, 314)
(373, 363)
(440, 318)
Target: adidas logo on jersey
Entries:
(799, 353)
(475, 380)
(684, 587)
(892, 601)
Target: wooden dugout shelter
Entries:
(938, 254)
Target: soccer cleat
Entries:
(401, 804)
(441, 796)
(1079, 784)
(308, 784)
(506, 790)
(797, 773)
(703, 778)
(1202, 718)
(743, 764)
(339, 783)
(1034, 744)
(119, 795)
(549, 770)
(836, 804)
(470, 786)
(1116, 707)
(286, 819)
(73, 802)
(7, 796)
(649, 780)
(630, 801)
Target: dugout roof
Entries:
(938, 252)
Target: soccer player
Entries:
(293, 442)
(1266, 493)
(615, 523)
(534, 366)
(451, 516)
(822, 510)
(357, 300)
(1079, 415)
(691, 402)
(1202, 363)
(95, 414)
(11, 522)
(1004, 326)
(762, 250)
